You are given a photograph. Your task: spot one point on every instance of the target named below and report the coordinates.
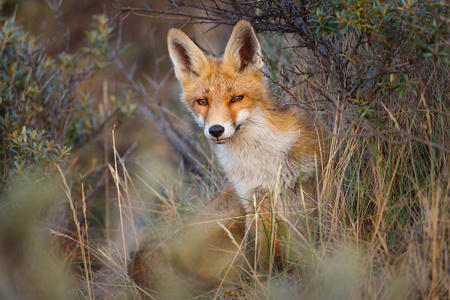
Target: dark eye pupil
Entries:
(236, 99)
(202, 102)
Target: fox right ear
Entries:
(243, 48)
(187, 58)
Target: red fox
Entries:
(270, 155)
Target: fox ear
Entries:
(187, 58)
(243, 48)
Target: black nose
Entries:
(216, 130)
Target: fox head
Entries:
(222, 93)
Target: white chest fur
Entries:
(253, 157)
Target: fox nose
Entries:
(216, 130)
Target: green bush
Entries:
(42, 113)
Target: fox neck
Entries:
(252, 158)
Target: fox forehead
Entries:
(217, 83)
(216, 89)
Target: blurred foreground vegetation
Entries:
(88, 141)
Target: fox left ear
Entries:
(188, 60)
(243, 48)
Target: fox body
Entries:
(263, 149)
(254, 138)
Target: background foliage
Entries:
(42, 114)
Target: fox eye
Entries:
(237, 99)
(202, 102)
